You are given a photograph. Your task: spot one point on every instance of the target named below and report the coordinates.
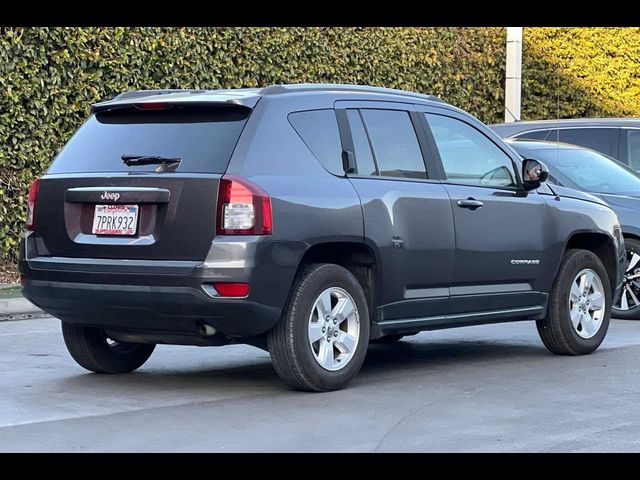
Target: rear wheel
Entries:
(579, 306)
(92, 349)
(628, 305)
(321, 341)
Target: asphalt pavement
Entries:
(490, 388)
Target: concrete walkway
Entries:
(13, 306)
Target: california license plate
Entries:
(115, 220)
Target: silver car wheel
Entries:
(630, 294)
(587, 303)
(334, 328)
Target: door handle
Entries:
(470, 203)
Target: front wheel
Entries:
(321, 340)
(628, 305)
(92, 349)
(579, 306)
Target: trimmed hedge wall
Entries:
(581, 72)
(50, 76)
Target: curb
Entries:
(18, 309)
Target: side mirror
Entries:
(534, 173)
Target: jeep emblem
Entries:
(110, 196)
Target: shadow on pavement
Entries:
(382, 360)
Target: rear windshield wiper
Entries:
(131, 160)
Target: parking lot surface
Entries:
(490, 388)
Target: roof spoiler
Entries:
(174, 96)
(147, 93)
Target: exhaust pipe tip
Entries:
(207, 330)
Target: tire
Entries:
(632, 246)
(557, 330)
(89, 348)
(388, 339)
(295, 358)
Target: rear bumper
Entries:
(153, 309)
(172, 297)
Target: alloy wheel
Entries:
(630, 294)
(334, 328)
(587, 303)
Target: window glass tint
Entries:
(395, 145)
(364, 158)
(536, 135)
(600, 139)
(319, 131)
(553, 180)
(203, 138)
(589, 170)
(468, 156)
(633, 148)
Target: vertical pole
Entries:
(513, 83)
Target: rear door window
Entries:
(204, 138)
(395, 146)
(318, 129)
(599, 139)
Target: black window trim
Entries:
(447, 113)
(346, 138)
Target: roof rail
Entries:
(148, 93)
(320, 87)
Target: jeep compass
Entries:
(308, 220)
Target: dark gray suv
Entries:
(307, 220)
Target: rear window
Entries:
(203, 138)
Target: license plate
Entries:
(115, 220)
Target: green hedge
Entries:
(50, 76)
(581, 72)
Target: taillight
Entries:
(243, 208)
(31, 204)
(152, 106)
